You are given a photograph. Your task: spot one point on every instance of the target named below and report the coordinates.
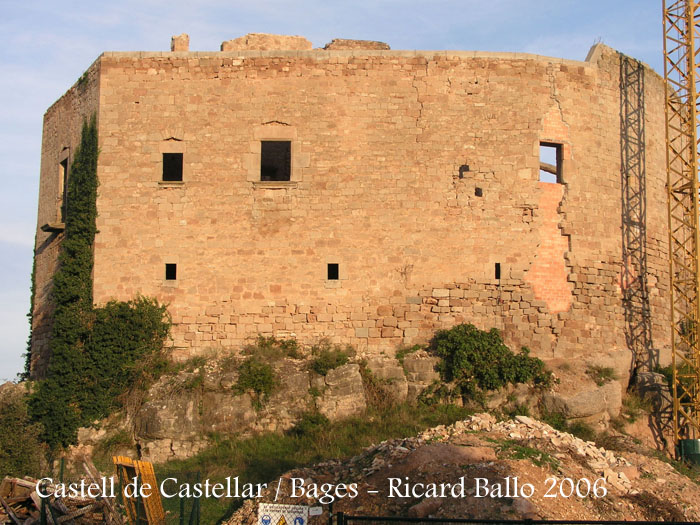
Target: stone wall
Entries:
(416, 172)
(63, 123)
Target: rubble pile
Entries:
(637, 486)
(615, 469)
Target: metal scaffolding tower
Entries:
(682, 73)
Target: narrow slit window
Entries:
(275, 160)
(333, 272)
(550, 162)
(170, 272)
(63, 187)
(172, 167)
(497, 271)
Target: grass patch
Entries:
(579, 429)
(271, 348)
(634, 407)
(262, 458)
(601, 374)
(403, 351)
(257, 378)
(329, 356)
(512, 449)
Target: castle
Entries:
(368, 195)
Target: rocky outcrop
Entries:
(343, 394)
(590, 403)
(390, 375)
(420, 372)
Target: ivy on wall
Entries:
(97, 354)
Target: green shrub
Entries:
(258, 378)
(328, 356)
(122, 350)
(555, 420)
(579, 429)
(309, 424)
(403, 351)
(601, 374)
(477, 361)
(271, 348)
(582, 431)
(21, 453)
(377, 396)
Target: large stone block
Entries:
(390, 374)
(343, 395)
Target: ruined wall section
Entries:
(378, 142)
(62, 128)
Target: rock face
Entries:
(420, 373)
(266, 42)
(343, 395)
(344, 44)
(180, 411)
(391, 376)
(592, 403)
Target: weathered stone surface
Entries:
(586, 403)
(266, 42)
(420, 373)
(180, 42)
(390, 375)
(344, 43)
(226, 413)
(620, 361)
(343, 395)
(175, 416)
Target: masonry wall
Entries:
(63, 123)
(378, 138)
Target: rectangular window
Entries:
(172, 167)
(63, 187)
(275, 160)
(170, 271)
(333, 272)
(550, 162)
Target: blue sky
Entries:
(47, 45)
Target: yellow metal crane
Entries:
(681, 74)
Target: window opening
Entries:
(63, 186)
(333, 272)
(170, 271)
(172, 167)
(275, 160)
(497, 270)
(478, 192)
(550, 162)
